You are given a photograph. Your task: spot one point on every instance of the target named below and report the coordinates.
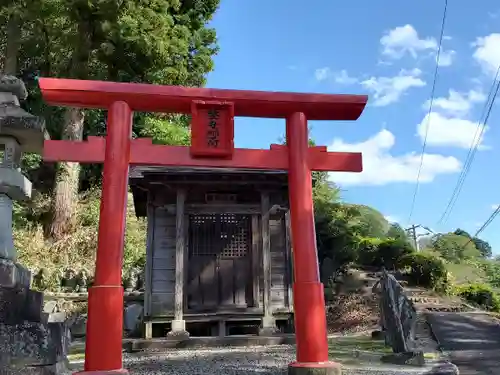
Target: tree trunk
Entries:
(12, 45)
(67, 179)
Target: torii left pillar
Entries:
(103, 348)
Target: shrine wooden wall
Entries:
(161, 253)
(160, 282)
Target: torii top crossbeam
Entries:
(156, 98)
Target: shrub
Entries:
(392, 250)
(368, 254)
(426, 270)
(481, 295)
(375, 252)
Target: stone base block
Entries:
(178, 325)
(444, 368)
(14, 275)
(33, 344)
(14, 184)
(60, 368)
(320, 368)
(378, 335)
(406, 358)
(109, 372)
(178, 331)
(20, 304)
(268, 326)
(57, 317)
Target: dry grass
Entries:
(77, 250)
(352, 313)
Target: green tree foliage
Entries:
(397, 232)
(454, 248)
(461, 232)
(483, 247)
(386, 252)
(426, 270)
(491, 269)
(369, 222)
(164, 42)
(481, 295)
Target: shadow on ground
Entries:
(272, 360)
(471, 339)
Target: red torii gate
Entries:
(213, 112)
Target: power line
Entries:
(480, 129)
(485, 225)
(488, 221)
(430, 111)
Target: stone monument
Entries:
(398, 319)
(29, 342)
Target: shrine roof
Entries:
(163, 180)
(137, 172)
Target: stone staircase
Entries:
(425, 300)
(362, 282)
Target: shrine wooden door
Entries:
(219, 261)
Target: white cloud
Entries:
(487, 53)
(494, 206)
(446, 58)
(458, 104)
(387, 90)
(404, 39)
(448, 131)
(380, 167)
(392, 219)
(322, 74)
(343, 78)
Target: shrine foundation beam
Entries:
(177, 99)
(145, 153)
(308, 297)
(103, 349)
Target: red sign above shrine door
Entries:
(212, 129)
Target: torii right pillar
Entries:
(308, 295)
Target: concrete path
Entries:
(472, 341)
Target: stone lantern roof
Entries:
(15, 122)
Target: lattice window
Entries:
(219, 235)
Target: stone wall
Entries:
(73, 306)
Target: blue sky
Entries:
(385, 49)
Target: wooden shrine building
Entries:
(218, 249)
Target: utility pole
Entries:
(413, 233)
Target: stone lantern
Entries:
(29, 341)
(19, 132)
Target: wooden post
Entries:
(289, 260)
(255, 261)
(268, 323)
(148, 324)
(178, 324)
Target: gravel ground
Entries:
(264, 360)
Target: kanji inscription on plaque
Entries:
(212, 129)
